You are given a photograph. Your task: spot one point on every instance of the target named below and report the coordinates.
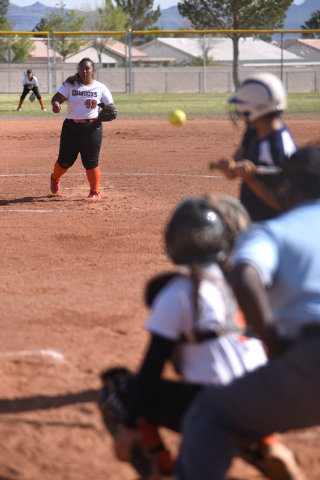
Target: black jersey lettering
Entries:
(84, 93)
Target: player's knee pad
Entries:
(64, 165)
(90, 165)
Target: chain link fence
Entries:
(173, 62)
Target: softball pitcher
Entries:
(30, 83)
(192, 323)
(82, 128)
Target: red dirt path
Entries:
(72, 281)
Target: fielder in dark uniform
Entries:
(30, 83)
(81, 131)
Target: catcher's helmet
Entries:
(199, 229)
(259, 95)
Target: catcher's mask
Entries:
(204, 229)
(258, 96)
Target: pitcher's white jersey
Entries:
(83, 99)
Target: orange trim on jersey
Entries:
(94, 176)
(58, 171)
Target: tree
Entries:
(141, 14)
(235, 15)
(105, 17)
(312, 24)
(155, 32)
(20, 45)
(60, 20)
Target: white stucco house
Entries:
(309, 50)
(184, 50)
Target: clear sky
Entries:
(77, 3)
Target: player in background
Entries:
(30, 83)
(81, 130)
(259, 102)
(192, 323)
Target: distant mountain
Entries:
(26, 18)
(172, 20)
(296, 16)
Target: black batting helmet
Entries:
(203, 229)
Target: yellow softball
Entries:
(177, 118)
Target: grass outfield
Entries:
(151, 104)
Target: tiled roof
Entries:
(313, 43)
(41, 50)
(116, 47)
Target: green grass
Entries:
(152, 104)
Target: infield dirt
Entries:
(72, 281)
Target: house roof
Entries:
(119, 48)
(221, 49)
(288, 42)
(313, 43)
(113, 46)
(41, 50)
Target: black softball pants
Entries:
(83, 138)
(26, 90)
(169, 403)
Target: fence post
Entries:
(282, 57)
(54, 78)
(9, 69)
(126, 60)
(130, 66)
(48, 53)
(204, 63)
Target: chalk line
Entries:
(57, 356)
(118, 173)
(34, 211)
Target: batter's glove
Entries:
(107, 113)
(32, 97)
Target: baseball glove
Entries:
(112, 403)
(149, 456)
(107, 113)
(32, 97)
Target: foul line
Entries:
(34, 211)
(135, 174)
(58, 357)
